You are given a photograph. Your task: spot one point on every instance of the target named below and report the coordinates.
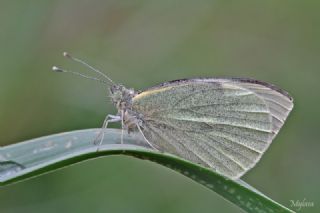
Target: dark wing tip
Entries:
(263, 83)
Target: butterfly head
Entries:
(121, 96)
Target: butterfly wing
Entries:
(224, 124)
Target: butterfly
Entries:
(225, 124)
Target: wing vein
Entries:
(154, 129)
(227, 156)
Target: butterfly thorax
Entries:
(122, 99)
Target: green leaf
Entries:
(41, 155)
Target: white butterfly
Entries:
(225, 124)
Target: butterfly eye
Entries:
(113, 89)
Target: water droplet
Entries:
(232, 190)
(202, 182)
(8, 168)
(45, 147)
(49, 145)
(211, 186)
(68, 145)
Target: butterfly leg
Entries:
(109, 119)
(150, 144)
(122, 125)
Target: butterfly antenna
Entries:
(67, 55)
(57, 69)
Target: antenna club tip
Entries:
(67, 55)
(56, 69)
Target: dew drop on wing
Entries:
(9, 168)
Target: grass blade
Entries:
(28, 159)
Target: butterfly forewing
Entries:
(224, 124)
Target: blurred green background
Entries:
(140, 44)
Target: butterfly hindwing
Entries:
(224, 124)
